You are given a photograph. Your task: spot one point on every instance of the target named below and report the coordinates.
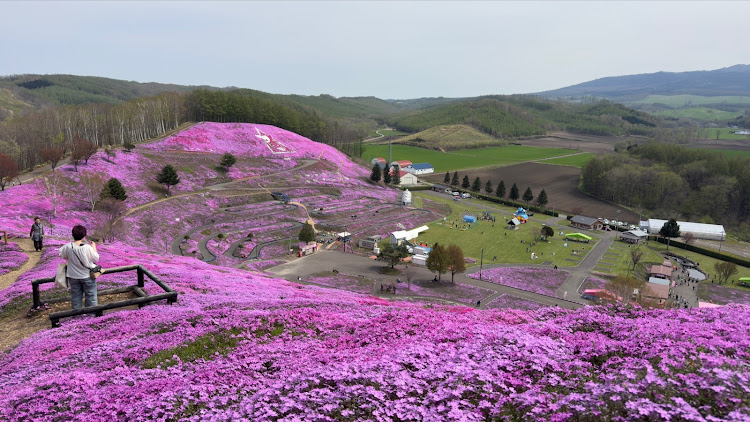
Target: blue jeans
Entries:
(81, 287)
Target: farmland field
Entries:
(465, 159)
(584, 143)
(731, 152)
(699, 113)
(683, 100)
(560, 183)
(579, 160)
(724, 133)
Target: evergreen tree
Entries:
(113, 189)
(394, 255)
(513, 192)
(227, 160)
(396, 179)
(528, 196)
(488, 187)
(447, 178)
(128, 146)
(465, 184)
(542, 200)
(168, 177)
(454, 181)
(500, 192)
(307, 234)
(376, 173)
(387, 176)
(669, 230)
(477, 185)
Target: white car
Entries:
(456, 194)
(465, 195)
(606, 221)
(632, 227)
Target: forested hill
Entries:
(518, 115)
(733, 81)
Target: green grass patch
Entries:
(731, 152)
(203, 347)
(699, 113)
(497, 241)
(579, 160)
(187, 169)
(451, 137)
(465, 159)
(618, 257)
(724, 133)
(688, 100)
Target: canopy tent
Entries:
(578, 236)
(744, 279)
(470, 219)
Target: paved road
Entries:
(358, 265)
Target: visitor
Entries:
(37, 234)
(479, 302)
(81, 259)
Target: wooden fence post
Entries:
(140, 277)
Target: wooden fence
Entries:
(143, 298)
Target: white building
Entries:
(400, 236)
(407, 178)
(419, 168)
(406, 197)
(699, 230)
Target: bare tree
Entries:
(80, 149)
(688, 238)
(53, 154)
(148, 226)
(724, 270)
(53, 183)
(635, 257)
(409, 272)
(456, 262)
(623, 287)
(91, 186)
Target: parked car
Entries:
(465, 195)
(606, 221)
(632, 227)
(456, 193)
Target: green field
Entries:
(724, 133)
(497, 241)
(389, 132)
(451, 138)
(686, 100)
(579, 160)
(464, 159)
(617, 258)
(699, 113)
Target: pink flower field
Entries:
(242, 345)
(512, 302)
(538, 280)
(11, 257)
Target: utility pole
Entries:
(388, 164)
(481, 263)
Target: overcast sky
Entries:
(384, 49)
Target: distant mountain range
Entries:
(728, 81)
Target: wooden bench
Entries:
(143, 298)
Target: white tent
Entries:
(405, 235)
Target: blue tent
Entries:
(470, 219)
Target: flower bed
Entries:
(11, 257)
(722, 294)
(346, 282)
(513, 302)
(592, 283)
(537, 280)
(456, 292)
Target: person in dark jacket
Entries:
(37, 234)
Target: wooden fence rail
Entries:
(143, 298)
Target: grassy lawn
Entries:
(579, 160)
(497, 241)
(390, 132)
(724, 133)
(699, 113)
(617, 258)
(464, 159)
(731, 152)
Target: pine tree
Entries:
(168, 177)
(500, 192)
(454, 181)
(488, 187)
(669, 230)
(396, 179)
(513, 192)
(387, 176)
(528, 196)
(113, 189)
(376, 173)
(447, 178)
(307, 234)
(477, 185)
(465, 184)
(542, 200)
(228, 160)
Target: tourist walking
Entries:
(81, 259)
(37, 234)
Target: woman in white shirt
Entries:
(81, 259)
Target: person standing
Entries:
(81, 258)
(37, 234)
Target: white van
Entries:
(465, 195)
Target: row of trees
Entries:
(669, 180)
(440, 260)
(542, 200)
(390, 176)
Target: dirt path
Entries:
(27, 246)
(378, 137)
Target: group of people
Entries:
(80, 257)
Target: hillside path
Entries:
(378, 137)
(27, 247)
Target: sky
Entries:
(393, 50)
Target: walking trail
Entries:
(27, 246)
